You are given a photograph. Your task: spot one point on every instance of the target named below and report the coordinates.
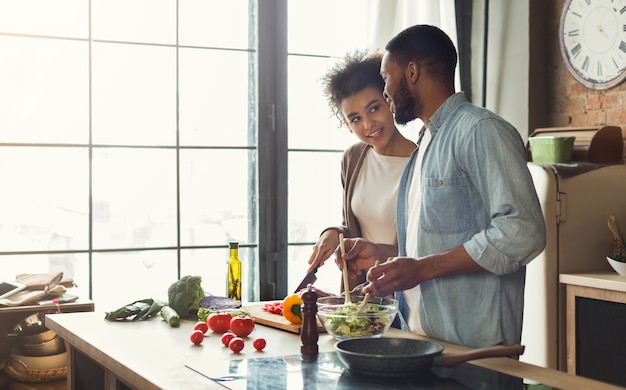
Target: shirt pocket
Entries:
(446, 205)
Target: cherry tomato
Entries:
(197, 337)
(236, 344)
(201, 326)
(219, 322)
(259, 343)
(242, 325)
(226, 337)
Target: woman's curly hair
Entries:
(355, 72)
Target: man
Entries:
(468, 217)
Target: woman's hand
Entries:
(326, 245)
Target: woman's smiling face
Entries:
(367, 115)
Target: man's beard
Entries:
(404, 104)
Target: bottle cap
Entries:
(233, 245)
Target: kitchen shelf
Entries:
(11, 315)
(595, 319)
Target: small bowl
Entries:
(618, 266)
(342, 322)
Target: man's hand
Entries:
(396, 274)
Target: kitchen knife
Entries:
(310, 278)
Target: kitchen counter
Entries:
(151, 355)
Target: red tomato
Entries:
(226, 337)
(201, 326)
(242, 325)
(197, 337)
(219, 322)
(236, 344)
(259, 343)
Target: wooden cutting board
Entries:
(274, 320)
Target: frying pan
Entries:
(405, 357)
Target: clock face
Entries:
(592, 37)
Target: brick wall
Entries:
(569, 102)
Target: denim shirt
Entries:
(476, 192)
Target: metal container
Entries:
(53, 346)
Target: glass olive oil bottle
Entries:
(234, 273)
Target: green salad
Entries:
(344, 322)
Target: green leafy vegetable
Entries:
(136, 311)
(346, 322)
(203, 313)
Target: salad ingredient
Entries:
(203, 313)
(170, 316)
(292, 309)
(201, 326)
(215, 303)
(197, 337)
(259, 343)
(136, 311)
(274, 308)
(219, 322)
(236, 344)
(185, 294)
(226, 337)
(347, 322)
(242, 325)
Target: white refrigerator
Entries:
(576, 209)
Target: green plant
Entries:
(619, 251)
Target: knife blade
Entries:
(310, 278)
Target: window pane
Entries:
(214, 101)
(44, 103)
(210, 264)
(147, 21)
(311, 123)
(134, 198)
(134, 95)
(44, 198)
(314, 194)
(215, 194)
(347, 25)
(120, 278)
(73, 265)
(67, 18)
(214, 23)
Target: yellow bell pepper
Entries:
(292, 309)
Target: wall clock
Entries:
(592, 38)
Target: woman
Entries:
(371, 168)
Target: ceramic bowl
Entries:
(342, 322)
(618, 266)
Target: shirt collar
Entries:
(445, 110)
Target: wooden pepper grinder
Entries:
(308, 332)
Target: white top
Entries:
(375, 195)
(412, 296)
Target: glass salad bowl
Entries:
(344, 321)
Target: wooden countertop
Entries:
(152, 355)
(602, 280)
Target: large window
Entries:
(137, 137)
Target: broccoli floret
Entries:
(185, 294)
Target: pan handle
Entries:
(453, 359)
